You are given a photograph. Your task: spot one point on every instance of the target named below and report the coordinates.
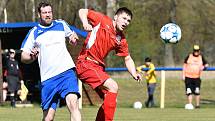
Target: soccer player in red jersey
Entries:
(104, 35)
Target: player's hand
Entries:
(22, 82)
(87, 27)
(138, 77)
(73, 38)
(19, 92)
(34, 53)
(145, 74)
(183, 78)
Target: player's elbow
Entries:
(128, 58)
(25, 58)
(82, 11)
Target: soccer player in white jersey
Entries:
(46, 42)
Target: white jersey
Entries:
(54, 57)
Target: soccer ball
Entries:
(170, 33)
(137, 105)
(189, 106)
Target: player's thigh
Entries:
(91, 73)
(151, 88)
(69, 84)
(198, 83)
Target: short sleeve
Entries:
(67, 29)
(28, 42)
(94, 17)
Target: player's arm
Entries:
(83, 16)
(205, 63)
(139, 68)
(183, 71)
(131, 68)
(151, 69)
(30, 49)
(184, 67)
(70, 34)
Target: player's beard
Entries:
(46, 22)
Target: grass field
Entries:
(122, 114)
(129, 92)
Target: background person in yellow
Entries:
(150, 80)
(194, 64)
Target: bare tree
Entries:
(168, 57)
(33, 10)
(3, 5)
(59, 14)
(110, 10)
(111, 7)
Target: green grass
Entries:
(129, 92)
(122, 114)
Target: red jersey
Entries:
(102, 39)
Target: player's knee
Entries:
(48, 115)
(188, 91)
(114, 88)
(72, 102)
(111, 85)
(197, 91)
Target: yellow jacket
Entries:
(150, 74)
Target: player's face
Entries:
(12, 54)
(122, 21)
(196, 52)
(148, 63)
(46, 15)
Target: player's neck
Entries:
(115, 28)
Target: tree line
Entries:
(195, 17)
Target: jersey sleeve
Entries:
(139, 68)
(67, 30)
(122, 48)
(28, 42)
(151, 68)
(94, 17)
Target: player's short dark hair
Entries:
(43, 4)
(147, 59)
(124, 10)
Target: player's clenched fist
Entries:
(87, 27)
(73, 38)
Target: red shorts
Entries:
(91, 73)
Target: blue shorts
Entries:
(58, 87)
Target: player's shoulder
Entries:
(95, 13)
(32, 30)
(152, 65)
(60, 21)
(107, 20)
(143, 66)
